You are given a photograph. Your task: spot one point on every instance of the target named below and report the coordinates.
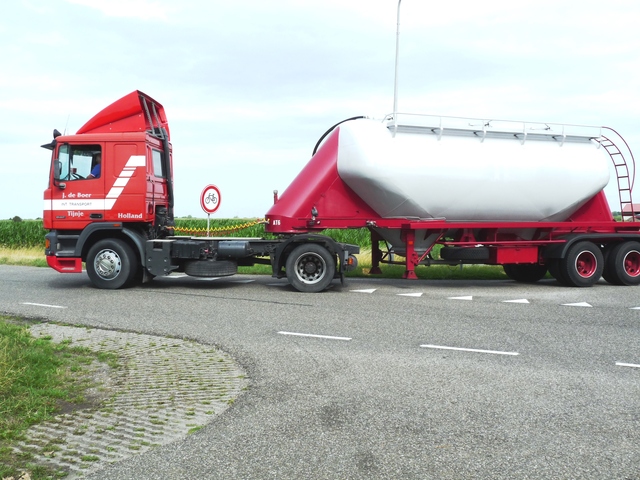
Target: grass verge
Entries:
(30, 257)
(38, 379)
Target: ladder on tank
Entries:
(625, 180)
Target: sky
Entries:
(249, 86)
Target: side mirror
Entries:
(57, 169)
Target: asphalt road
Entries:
(404, 379)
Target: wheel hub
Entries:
(632, 263)
(586, 264)
(310, 268)
(108, 264)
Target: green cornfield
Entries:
(21, 234)
(30, 233)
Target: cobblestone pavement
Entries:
(165, 389)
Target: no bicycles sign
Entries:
(210, 199)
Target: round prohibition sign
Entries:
(210, 199)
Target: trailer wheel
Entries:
(554, 270)
(111, 264)
(583, 265)
(525, 273)
(310, 268)
(622, 265)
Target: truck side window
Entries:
(158, 164)
(76, 162)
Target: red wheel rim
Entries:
(632, 263)
(586, 264)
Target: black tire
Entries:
(583, 264)
(111, 264)
(464, 253)
(211, 268)
(310, 268)
(554, 270)
(525, 272)
(622, 264)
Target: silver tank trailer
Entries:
(425, 168)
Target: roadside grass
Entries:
(38, 379)
(26, 256)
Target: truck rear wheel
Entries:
(310, 268)
(525, 273)
(622, 265)
(111, 264)
(583, 264)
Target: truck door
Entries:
(77, 195)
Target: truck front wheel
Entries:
(310, 268)
(111, 264)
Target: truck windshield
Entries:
(75, 162)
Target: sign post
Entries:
(210, 201)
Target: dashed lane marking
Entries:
(42, 305)
(417, 294)
(632, 365)
(243, 281)
(474, 350)
(579, 304)
(367, 290)
(470, 297)
(521, 300)
(327, 337)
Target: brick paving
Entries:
(163, 390)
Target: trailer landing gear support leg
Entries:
(412, 256)
(376, 254)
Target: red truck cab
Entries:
(126, 146)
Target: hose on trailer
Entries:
(315, 149)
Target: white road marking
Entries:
(315, 336)
(368, 290)
(634, 308)
(620, 364)
(243, 281)
(207, 279)
(409, 294)
(43, 305)
(461, 298)
(579, 304)
(522, 300)
(475, 350)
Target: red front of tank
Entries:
(318, 198)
